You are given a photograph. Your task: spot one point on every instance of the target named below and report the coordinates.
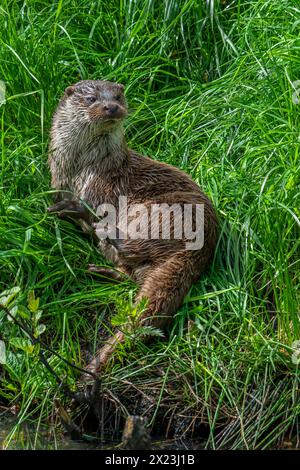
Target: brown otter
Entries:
(90, 165)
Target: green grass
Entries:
(210, 88)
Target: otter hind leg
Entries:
(165, 287)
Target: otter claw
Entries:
(107, 272)
(72, 209)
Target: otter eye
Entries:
(90, 99)
(117, 97)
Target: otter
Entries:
(91, 165)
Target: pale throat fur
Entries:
(83, 154)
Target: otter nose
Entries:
(111, 108)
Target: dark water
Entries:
(27, 436)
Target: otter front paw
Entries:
(69, 209)
(108, 273)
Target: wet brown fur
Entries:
(89, 159)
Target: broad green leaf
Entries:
(38, 315)
(33, 302)
(13, 312)
(24, 312)
(40, 329)
(23, 344)
(8, 295)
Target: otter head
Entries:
(98, 104)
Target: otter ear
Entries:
(121, 87)
(70, 90)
